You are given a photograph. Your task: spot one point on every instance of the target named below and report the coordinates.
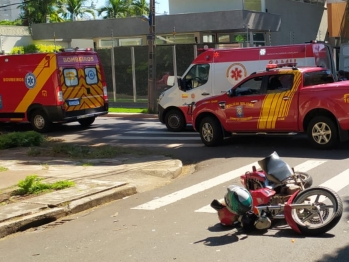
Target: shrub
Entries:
(21, 139)
(35, 48)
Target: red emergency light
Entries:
(273, 66)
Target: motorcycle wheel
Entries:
(325, 214)
(306, 178)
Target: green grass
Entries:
(83, 151)
(2, 169)
(33, 185)
(128, 100)
(128, 110)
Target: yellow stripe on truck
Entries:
(42, 72)
(274, 106)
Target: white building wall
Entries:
(8, 11)
(12, 36)
(197, 6)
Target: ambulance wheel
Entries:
(85, 122)
(40, 121)
(211, 132)
(175, 120)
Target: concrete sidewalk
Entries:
(99, 181)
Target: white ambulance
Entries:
(215, 71)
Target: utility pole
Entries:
(152, 101)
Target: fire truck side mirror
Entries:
(231, 92)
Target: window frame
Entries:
(65, 78)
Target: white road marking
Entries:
(184, 193)
(338, 182)
(304, 167)
(308, 165)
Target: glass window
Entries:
(178, 39)
(280, 83)
(208, 38)
(250, 87)
(91, 75)
(108, 43)
(223, 38)
(318, 78)
(197, 76)
(130, 41)
(70, 77)
(258, 37)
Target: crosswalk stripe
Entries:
(338, 182)
(308, 165)
(184, 193)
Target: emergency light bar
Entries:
(75, 49)
(273, 66)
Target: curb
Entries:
(132, 115)
(49, 215)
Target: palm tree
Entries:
(115, 9)
(74, 9)
(140, 7)
(36, 11)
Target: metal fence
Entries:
(131, 68)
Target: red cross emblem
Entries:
(236, 73)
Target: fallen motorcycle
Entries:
(277, 192)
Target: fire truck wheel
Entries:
(40, 121)
(175, 120)
(85, 122)
(211, 131)
(322, 132)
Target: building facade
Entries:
(9, 10)
(224, 23)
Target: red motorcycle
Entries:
(277, 192)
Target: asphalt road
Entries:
(172, 223)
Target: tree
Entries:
(140, 7)
(115, 9)
(74, 9)
(36, 11)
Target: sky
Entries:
(161, 6)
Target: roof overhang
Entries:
(233, 20)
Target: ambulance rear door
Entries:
(80, 77)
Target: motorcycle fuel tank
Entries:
(262, 196)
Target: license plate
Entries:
(73, 102)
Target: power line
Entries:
(24, 2)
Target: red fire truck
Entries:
(46, 88)
(278, 101)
